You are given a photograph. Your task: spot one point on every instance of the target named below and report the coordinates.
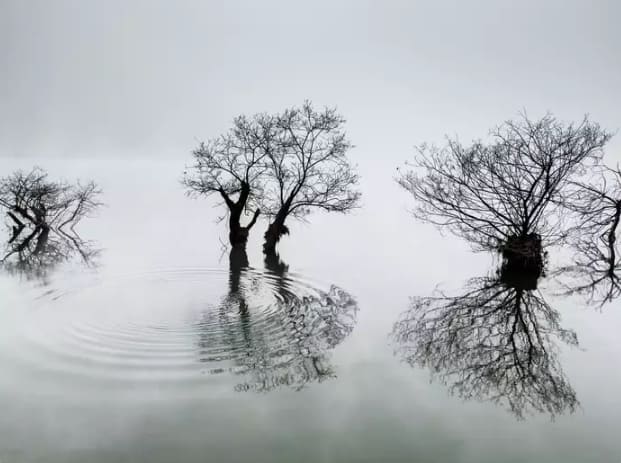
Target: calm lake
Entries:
(158, 352)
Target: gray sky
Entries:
(150, 78)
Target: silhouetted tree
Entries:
(595, 205)
(307, 169)
(44, 214)
(504, 194)
(231, 166)
(32, 199)
(495, 342)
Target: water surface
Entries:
(159, 350)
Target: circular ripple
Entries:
(257, 329)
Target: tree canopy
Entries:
(44, 214)
(509, 186)
(32, 198)
(284, 165)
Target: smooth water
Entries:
(160, 350)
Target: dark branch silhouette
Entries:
(596, 208)
(307, 169)
(35, 200)
(495, 342)
(231, 166)
(285, 345)
(284, 165)
(36, 253)
(43, 215)
(504, 195)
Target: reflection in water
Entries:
(596, 207)
(495, 342)
(272, 330)
(35, 254)
(42, 216)
(594, 272)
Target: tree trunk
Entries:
(238, 235)
(522, 261)
(274, 232)
(42, 240)
(612, 238)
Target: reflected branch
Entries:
(37, 254)
(44, 215)
(272, 335)
(596, 206)
(495, 342)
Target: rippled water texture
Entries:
(183, 329)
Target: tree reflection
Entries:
(495, 342)
(594, 272)
(42, 216)
(533, 184)
(595, 205)
(35, 254)
(273, 331)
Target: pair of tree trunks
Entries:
(285, 164)
(238, 234)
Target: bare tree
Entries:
(307, 169)
(495, 342)
(231, 167)
(595, 206)
(34, 200)
(503, 194)
(44, 214)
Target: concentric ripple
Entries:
(249, 329)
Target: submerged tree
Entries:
(284, 165)
(504, 194)
(33, 200)
(307, 169)
(231, 167)
(43, 215)
(496, 342)
(595, 205)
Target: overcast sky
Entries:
(112, 78)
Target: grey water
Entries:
(156, 350)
